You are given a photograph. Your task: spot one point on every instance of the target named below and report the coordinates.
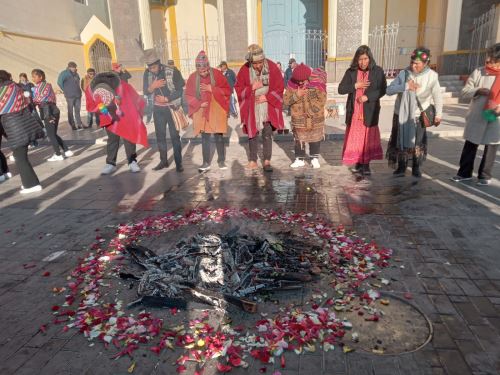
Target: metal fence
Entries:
(100, 56)
(383, 41)
(188, 49)
(482, 38)
(307, 46)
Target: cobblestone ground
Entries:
(443, 234)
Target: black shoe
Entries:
(205, 167)
(356, 168)
(161, 165)
(267, 168)
(179, 168)
(399, 173)
(222, 165)
(366, 170)
(416, 172)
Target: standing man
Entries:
(292, 63)
(165, 84)
(69, 82)
(231, 79)
(123, 73)
(207, 94)
(85, 83)
(259, 86)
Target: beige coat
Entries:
(477, 129)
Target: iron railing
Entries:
(482, 38)
(188, 48)
(100, 56)
(383, 41)
(307, 46)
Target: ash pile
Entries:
(225, 269)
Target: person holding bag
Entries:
(419, 104)
(21, 129)
(208, 94)
(482, 121)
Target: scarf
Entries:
(198, 79)
(43, 93)
(11, 98)
(407, 124)
(261, 109)
(494, 98)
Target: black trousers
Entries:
(219, 145)
(267, 143)
(162, 117)
(74, 106)
(300, 149)
(51, 125)
(4, 168)
(113, 146)
(26, 171)
(91, 116)
(469, 155)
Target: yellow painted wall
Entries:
(212, 18)
(23, 54)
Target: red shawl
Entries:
(220, 89)
(130, 126)
(494, 97)
(246, 98)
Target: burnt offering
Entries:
(225, 269)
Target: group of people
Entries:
(262, 90)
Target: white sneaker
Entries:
(68, 153)
(134, 167)
(33, 189)
(8, 175)
(56, 158)
(298, 163)
(2, 178)
(315, 163)
(108, 169)
(12, 158)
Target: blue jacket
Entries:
(231, 77)
(69, 84)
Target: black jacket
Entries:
(177, 79)
(371, 108)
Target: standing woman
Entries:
(45, 98)
(306, 96)
(482, 122)
(417, 87)
(21, 129)
(365, 84)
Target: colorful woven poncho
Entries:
(11, 98)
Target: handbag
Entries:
(427, 117)
(180, 119)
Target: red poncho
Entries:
(130, 125)
(220, 89)
(246, 98)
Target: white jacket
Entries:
(477, 129)
(428, 93)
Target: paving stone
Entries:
(441, 339)
(476, 358)
(443, 304)
(453, 362)
(469, 313)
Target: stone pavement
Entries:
(443, 234)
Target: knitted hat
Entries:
(255, 53)
(150, 57)
(202, 60)
(301, 73)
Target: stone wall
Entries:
(235, 22)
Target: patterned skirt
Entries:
(418, 154)
(361, 144)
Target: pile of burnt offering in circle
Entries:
(225, 269)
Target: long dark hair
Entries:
(5, 76)
(363, 50)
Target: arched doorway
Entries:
(100, 56)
